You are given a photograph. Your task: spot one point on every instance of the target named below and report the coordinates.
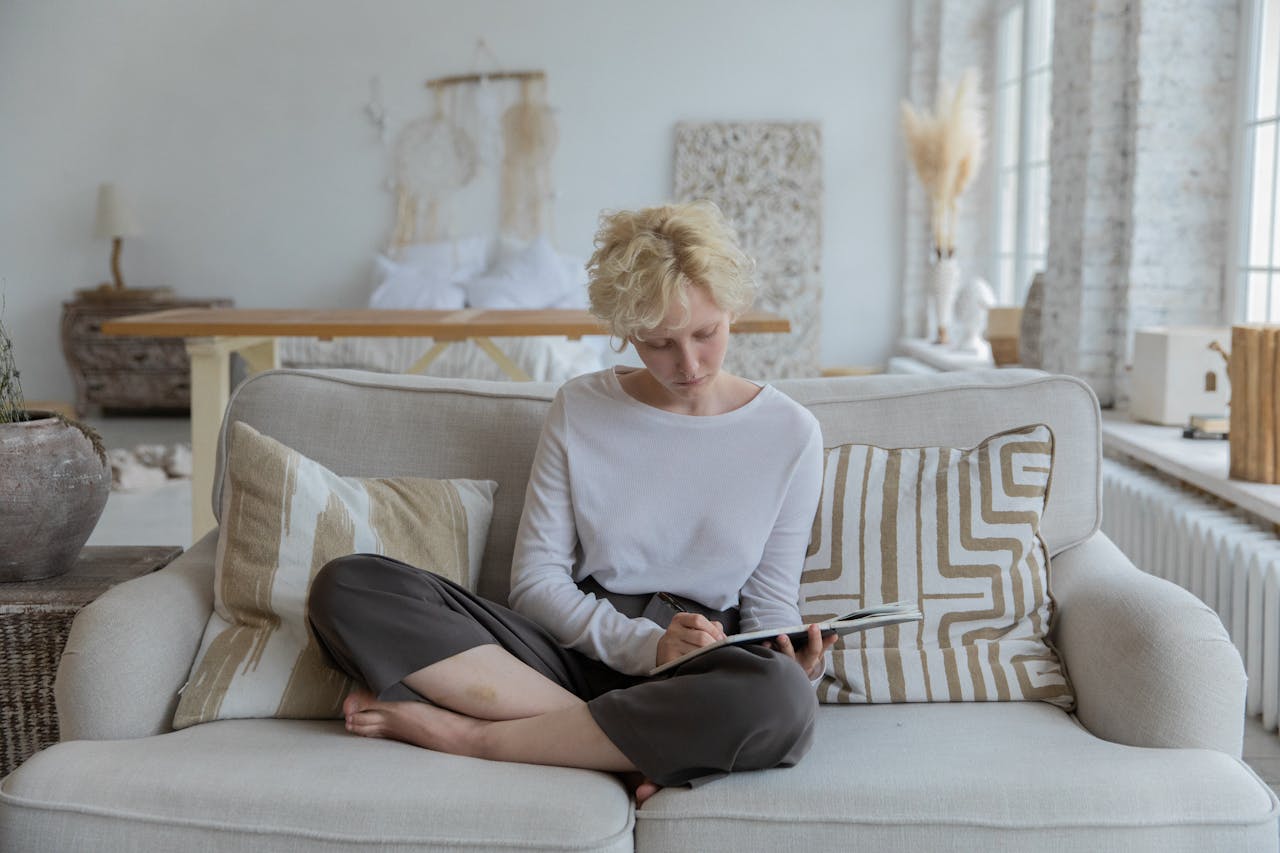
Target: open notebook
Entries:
(876, 616)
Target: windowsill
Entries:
(1203, 463)
(943, 356)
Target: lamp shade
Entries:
(114, 217)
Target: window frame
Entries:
(1014, 292)
(1235, 303)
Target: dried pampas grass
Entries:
(946, 148)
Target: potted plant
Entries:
(54, 481)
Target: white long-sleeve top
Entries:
(717, 509)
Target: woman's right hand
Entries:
(687, 631)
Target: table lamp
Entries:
(115, 222)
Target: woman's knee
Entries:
(774, 707)
(792, 700)
(334, 583)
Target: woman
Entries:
(677, 478)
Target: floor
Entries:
(159, 516)
(163, 517)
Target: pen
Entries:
(670, 600)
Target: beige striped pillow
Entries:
(957, 532)
(283, 517)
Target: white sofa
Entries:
(1150, 761)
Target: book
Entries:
(1207, 426)
(1209, 423)
(876, 616)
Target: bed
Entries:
(471, 272)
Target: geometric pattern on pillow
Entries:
(283, 517)
(957, 533)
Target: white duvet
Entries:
(544, 358)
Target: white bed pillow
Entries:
(575, 272)
(534, 276)
(403, 286)
(429, 275)
(458, 260)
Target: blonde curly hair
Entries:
(645, 259)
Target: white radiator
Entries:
(1229, 561)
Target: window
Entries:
(1024, 81)
(1257, 276)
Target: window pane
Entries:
(1009, 211)
(1038, 121)
(1264, 152)
(1032, 264)
(1268, 59)
(1009, 118)
(1038, 209)
(1011, 44)
(1046, 23)
(1256, 298)
(1040, 53)
(1008, 290)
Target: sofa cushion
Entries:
(1012, 776)
(360, 424)
(957, 533)
(960, 409)
(273, 785)
(429, 427)
(286, 516)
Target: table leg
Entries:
(428, 357)
(508, 366)
(260, 356)
(210, 388)
(210, 391)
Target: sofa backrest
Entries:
(383, 425)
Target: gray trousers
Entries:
(736, 708)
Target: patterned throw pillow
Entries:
(956, 532)
(283, 517)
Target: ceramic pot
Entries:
(53, 486)
(943, 279)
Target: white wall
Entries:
(236, 127)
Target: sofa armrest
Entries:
(1151, 664)
(130, 651)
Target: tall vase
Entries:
(943, 280)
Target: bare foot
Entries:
(417, 723)
(640, 787)
(646, 790)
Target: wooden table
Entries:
(35, 618)
(212, 334)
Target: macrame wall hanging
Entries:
(479, 121)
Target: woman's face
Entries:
(685, 358)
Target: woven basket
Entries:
(35, 621)
(33, 638)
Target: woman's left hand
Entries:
(810, 657)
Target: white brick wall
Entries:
(1144, 100)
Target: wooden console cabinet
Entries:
(127, 373)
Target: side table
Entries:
(35, 619)
(127, 373)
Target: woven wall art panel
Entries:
(767, 178)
